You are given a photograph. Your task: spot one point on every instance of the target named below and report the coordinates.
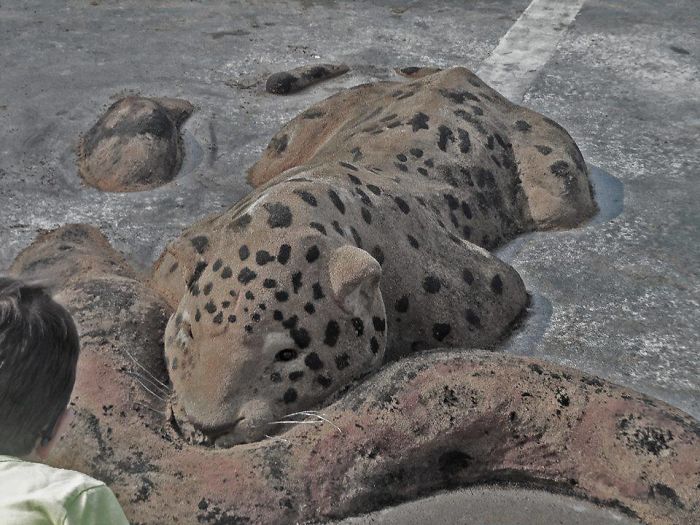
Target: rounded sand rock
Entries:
(135, 145)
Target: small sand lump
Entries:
(135, 145)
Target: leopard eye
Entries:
(286, 355)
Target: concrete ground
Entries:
(618, 298)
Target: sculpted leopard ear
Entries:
(354, 276)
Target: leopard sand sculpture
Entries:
(366, 239)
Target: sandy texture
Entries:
(135, 145)
(440, 420)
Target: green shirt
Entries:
(36, 494)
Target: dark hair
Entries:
(38, 356)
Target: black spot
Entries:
(464, 142)
(218, 318)
(338, 228)
(249, 295)
(472, 318)
(354, 179)
(301, 337)
(413, 241)
(262, 306)
(217, 265)
(366, 215)
(497, 284)
(358, 325)
(379, 324)
(290, 395)
(356, 237)
(560, 168)
(374, 345)
(275, 377)
(280, 215)
(307, 197)
(419, 121)
(279, 144)
(429, 163)
(286, 355)
(246, 275)
(291, 322)
(284, 254)
(402, 157)
(277, 315)
(441, 330)
(458, 97)
(342, 361)
(431, 284)
(313, 361)
(310, 309)
(466, 210)
(226, 273)
(200, 244)
(401, 167)
(445, 134)
(207, 288)
(374, 189)
(364, 198)
(500, 141)
(197, 316)
(336, 201)
(545, 150)
(318, 291)
(378, 254)
(467, 276)
(198, 271)
(319, 227)
(281, 296)
(324, 381)
(240, 223)
(452, 202)
(210, 307)
(263, 257)
(679, 50)
(402, 204)
(416, 152)
(296, 282)
(402, 304)
(332, 333)
(296, 375)
(348, 166)
(422, 171)
(521, 125)
(172, 268)
(489, 143)
(231, 318)
(270, 283)
(356, 154)
(312, 254)
(243, 252)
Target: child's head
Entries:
(38, 356)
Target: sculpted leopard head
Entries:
(272, 326)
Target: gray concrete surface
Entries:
(618, 298)
(494, 506)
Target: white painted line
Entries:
(527, 46)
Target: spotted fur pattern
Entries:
(360, 254)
